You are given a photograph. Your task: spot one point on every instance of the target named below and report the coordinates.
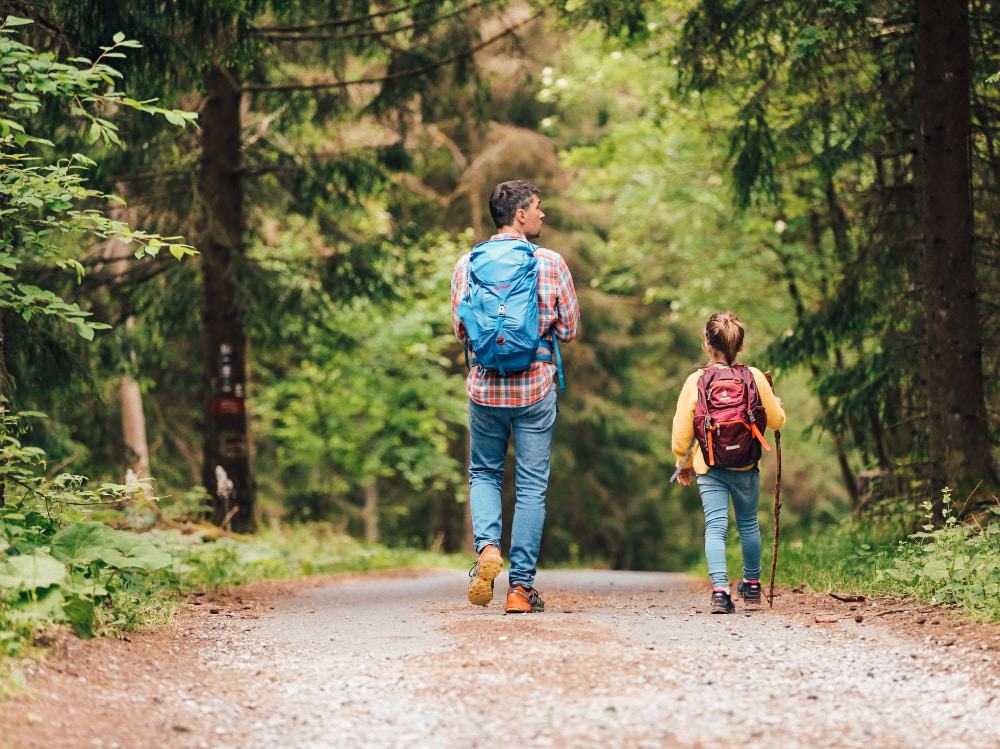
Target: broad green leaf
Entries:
(81, 585)
(42, 609)
(30, 571)
(16, 21)
(82, 542)
(134, 552)
(80, 613)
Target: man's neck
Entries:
(510, 230)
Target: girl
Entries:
(727, 414)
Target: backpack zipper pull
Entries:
(502, 309)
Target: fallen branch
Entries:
(848, 598)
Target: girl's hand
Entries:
(685, 476)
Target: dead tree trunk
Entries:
(129, 394)
(958, 444)
(227, 471)
(133, 418)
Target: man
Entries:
(520, 403)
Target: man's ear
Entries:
(519, 215)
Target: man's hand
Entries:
(685, 476)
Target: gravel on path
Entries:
(618, 659)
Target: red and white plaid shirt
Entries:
(558, 312)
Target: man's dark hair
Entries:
(507, 197)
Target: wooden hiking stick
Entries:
(777, 506)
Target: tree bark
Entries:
(370, 513)
(227, 471)
(134, 420)
(129, 394)
(958, 443)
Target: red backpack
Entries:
(729, 418)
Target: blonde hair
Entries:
(724, 335)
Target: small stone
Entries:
(859, 618)
(213, 611)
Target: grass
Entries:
(845, 558)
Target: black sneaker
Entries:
(749, 591)
(722, 603)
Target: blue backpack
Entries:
(500, 309)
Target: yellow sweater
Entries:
(683, 434)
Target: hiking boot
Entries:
(521, 600)
(482, 575)
(722, 603)
(749, 591)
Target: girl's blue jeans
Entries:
(491, 429)
(716, 487)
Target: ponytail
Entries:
(724, 334)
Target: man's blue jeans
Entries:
(716, 487)
(491, 429)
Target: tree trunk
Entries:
(371, 512)
(958, 445)
(227, 471)
(129, 395)
(134, 422)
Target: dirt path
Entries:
(619, 659)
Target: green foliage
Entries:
(55, 566)
(45, 202)
(956, 564)
(373, 396)
(821, 143)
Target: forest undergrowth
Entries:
(107, 559)
(954, 564)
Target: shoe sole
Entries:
(523, 611)
(481, 587)
(723, 611)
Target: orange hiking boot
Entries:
(483, 573)
(521, 600)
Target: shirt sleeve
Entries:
(683, 431)
(775, 413)
(567, 323)
(457, 292)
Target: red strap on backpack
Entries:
(757, 433)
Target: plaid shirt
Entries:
(558, 312)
